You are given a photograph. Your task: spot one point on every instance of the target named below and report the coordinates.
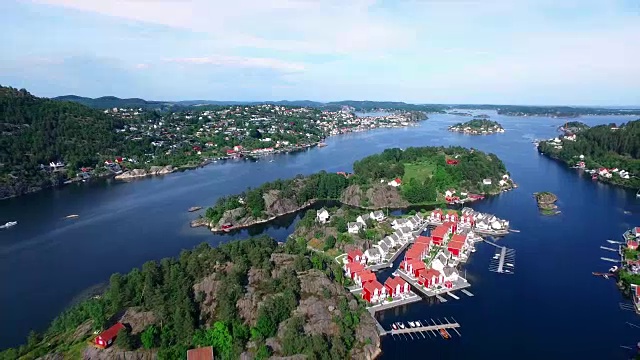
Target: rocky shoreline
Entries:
(546, 203)
(154, 170)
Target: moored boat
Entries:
(401, 324)
(8, 224)
(444, 333)
(394, 326)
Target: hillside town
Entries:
(478, 126)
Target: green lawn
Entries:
(418, 170)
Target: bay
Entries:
(552, 307)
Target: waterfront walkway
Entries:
(409, 299)
(457, 285)
(427, 328)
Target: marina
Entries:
(430, 327)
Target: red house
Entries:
(364, 277)
(106, 338)
(118, 159)
(230, 152)
(453, 226)
(205, 353)
(636, 231)
(632, 244)
(467, 219)
(439, 233)
(417, 252)
(355, 256)
(436, 215)
(396, 286)
(424, 240)
(452, 216)
(197, 148)
(373, 291)
(429, 277)
(475, 197)
(413, 266)
(455, 247)
(452, 162)
(352, 268)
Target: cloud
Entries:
(141, 66)
(241, 62)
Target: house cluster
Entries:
(361, 221)
(608, 173)
(482, 130)
(404, 232)
(632, 237)
(431, 260)
(469, 219)
(372, 290)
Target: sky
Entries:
(539, 52)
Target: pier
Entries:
(427, 328)
(608, 248)
(467, 292)
(610, 260)
(504, 259)
(388, 305)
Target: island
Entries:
(608, 153)
(393, 179)
(139, 138)
(478, 126)
(572, 127)
(251, 298)
(546, 203)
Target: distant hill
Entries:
(107, 102)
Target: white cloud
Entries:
(243, 62)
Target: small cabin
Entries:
(107, 337)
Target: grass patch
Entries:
(316, 243)
(419, 170)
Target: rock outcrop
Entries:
(377, 196)
(154, 170)
(276, 205)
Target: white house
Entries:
(377, 215)
(439, 262)
(373, 255)
(451, 274)
(383, 247)
(398, 223)
(395, 182)
(362, 219)
(354, 227)
(449, 193)
(322, 216)
(405, 232)
(483, 225)
(395, 238)
(486, 181)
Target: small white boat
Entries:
(509, 264)
(9, 224)
(418, 323)
(394, 326)
(271, 160)
(613, 269)
(473, 249)
(638, 194)
(412, 324)
(401, 325)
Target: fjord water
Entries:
(552, 307)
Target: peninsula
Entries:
(546, 203)
(573, 127)
(245, 299)
(82, 143)
(608, 153)
(393, 179)
(480, 125)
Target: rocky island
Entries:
(246, 299)
(546, 203)
(478, 126)
(393, 179)
(573, 127)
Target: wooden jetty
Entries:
(427, 328)
(608, 248)
(609, 259)
(505, 258)
(467, 292)
(604, 275)
(453, 295)
(441, 298)
(614, 242)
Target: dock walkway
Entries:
(380, 307)
(446, 325)
(457, 285)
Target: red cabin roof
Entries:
(205, 353)
(355, 267)
(440, 231)
(459, 238)
(109, 334)
(423, 240)
(366, 276)
(372, 285)
(457, 245)
(354, 253)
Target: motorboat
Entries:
(394, 326)
(9, 224)
(401, 325)
(473, 249)
(412, 324)
(419, 324)
(613, 269)
(638, 194)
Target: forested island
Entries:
(561, 111)
(546, 203)
(478, 126)
(393, 179)
(47, 143)
(611, 153)
(249, 297)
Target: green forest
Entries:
(166, 288)
(424, 170)
(604, 146)
(478, 124)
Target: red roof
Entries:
(398, 181)
(440, 231)
(355, 267)
(455, 245)
(229, 152)
(372, 285)
(391, 282)
(417, 264)
(637, 290)
(110, 333)
(632, 244)
(637, 229)
(459, 238)
(366, 276)
(437, 211)
(400, 281)
(452, 162)
(428, 273)
(452, 212)
(354, 253)
(205, 353)
(423, 240)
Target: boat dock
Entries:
(610, 260)
(429, 327)
(384, 306)
(467, 292)
(614, 242)
(504, 259)
(608, 248)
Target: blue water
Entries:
(551, 308)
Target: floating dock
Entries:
(467, 292)
(610, 260)
(504, 259)
(608, 248)
(434, 329)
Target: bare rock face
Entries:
(235, 216)
(352, 195)
(113, 353)
(248, 305)
(382, 195)
(208, 286)
(367, 330)
(138, 320)
(54, 356)
(275, 205)
(294, 357)
(161, 170)
(317, 308)
(154, 170)
(83, 330)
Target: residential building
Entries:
(440, 233)
(362, 219)
(322, 216)
(377, 215)
(429, 277)
(396, 286)
(451, 216)
(436, 215)
(373, 255)
(373, 291)
(412, 266)
(355, 255)
(364, 277)
(395, 182)
(107, 337)
(354, 227)
(204, 353)
(352, 268)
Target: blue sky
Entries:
(580, 52)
